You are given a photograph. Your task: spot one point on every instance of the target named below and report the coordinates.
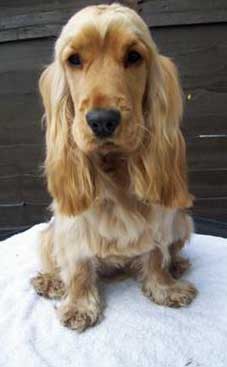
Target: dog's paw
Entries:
(78, 318)
(48, 285)
(180, 294)
(178, 266)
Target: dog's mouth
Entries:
(107, 147)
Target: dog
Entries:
(115, 166)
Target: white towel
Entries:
(135, 331)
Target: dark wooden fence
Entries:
(192, 32)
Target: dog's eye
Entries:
(133, 57)
(75, 60)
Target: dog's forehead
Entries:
(101, 15)
(100, 21)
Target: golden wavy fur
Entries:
(118, 202)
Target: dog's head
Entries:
(109, 90)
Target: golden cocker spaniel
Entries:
(115, 165)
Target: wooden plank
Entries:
(20, 103)
(27, 215)
(212, 208)
(21, 158)
(161, 13)
(200, 53)
(17, 189)
(204, 184)
(207, 153)
(35, 19)
(21, 123)
(202, 63)
(205, 112)
(21, 65)
(210, 227)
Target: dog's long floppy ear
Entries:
(68, 171)
(158, 171)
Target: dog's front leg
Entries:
(159, 285)
(81, 307)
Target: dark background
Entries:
(192, 32)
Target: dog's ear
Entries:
(68, 171)
(158, 171)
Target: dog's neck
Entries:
(113, 167)
(115, 181)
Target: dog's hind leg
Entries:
(159, 285)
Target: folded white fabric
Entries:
(135, 331)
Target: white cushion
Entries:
(135, 331)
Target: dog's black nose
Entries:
(103, 122)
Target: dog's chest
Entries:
(113, 222)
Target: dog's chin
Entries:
(107, 148)
(101, 147)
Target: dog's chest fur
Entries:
(118, 216)
(117, 225)
(115, 222)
